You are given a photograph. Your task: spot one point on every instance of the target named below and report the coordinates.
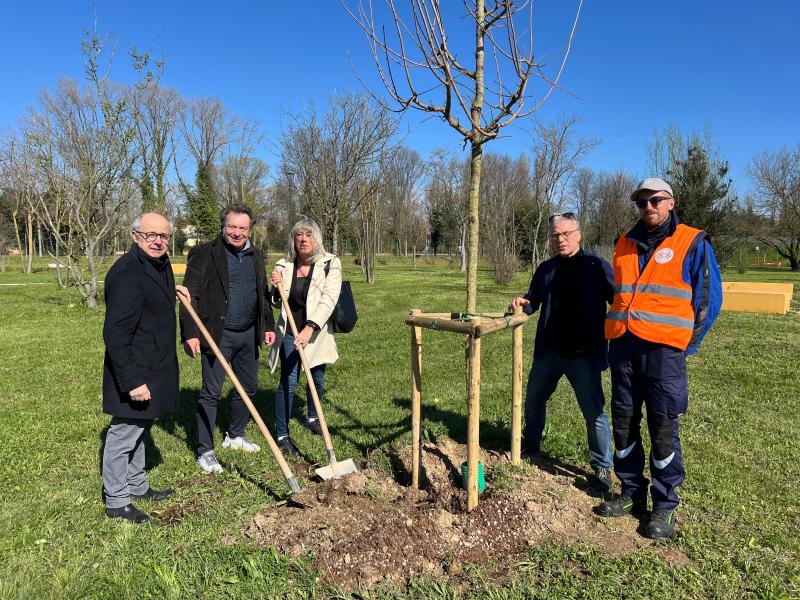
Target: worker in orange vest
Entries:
(667, 294)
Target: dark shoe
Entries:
(661, 525)
(529, 453)
(314, 426)
(287, 446)
(129, 513)
(621, 506)
(154, 495)
(602, 480)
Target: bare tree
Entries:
(17, 182)
(420, 69)
(615, 212)
(504, 187)
(776, 175)
(156, 111)
(401, 177)
(557, 153)
(446, 202)
(333, 156)
(80, 139)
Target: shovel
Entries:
(276, 452)
(335, 470)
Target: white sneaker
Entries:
(240, 443)
(209, 463)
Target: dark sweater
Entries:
(242, 289)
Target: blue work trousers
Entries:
(584, 377)
(290, 375)
(653, 375)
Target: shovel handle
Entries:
(309, 379)
(276, 452)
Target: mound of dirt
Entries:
(368, 527)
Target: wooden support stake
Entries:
(416, 400)
(516, 392)
(465, 327)
(474, 417)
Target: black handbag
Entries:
(344, 315)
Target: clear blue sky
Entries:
(635, 65)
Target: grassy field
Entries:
(739, 521)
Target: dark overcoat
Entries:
(139, 334)
(207, 280)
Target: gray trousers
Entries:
(123, 461)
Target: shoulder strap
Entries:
(327, 267)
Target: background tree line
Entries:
(91, 154)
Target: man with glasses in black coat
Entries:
(572, 289)
(140, 370)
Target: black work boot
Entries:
(661, 525)
(622, 505)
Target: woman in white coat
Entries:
(311, 279)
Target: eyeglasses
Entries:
(235, 228)
(564, 234)
(564, 215)
(151, 236)
(654, 202)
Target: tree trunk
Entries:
(39, 234)
(29, 262)
(476, 159)
(472, 258)
(20, 249)
(463, 246)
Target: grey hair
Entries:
(137, 222)
(555, 220)
(306, 224)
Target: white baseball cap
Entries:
(652, 184)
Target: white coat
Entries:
(323, 293)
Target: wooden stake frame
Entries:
(474, 328)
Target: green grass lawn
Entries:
(739, 521)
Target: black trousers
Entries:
(240, 350)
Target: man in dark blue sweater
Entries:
(572, 289)
(227, 281)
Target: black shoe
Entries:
(287, 446)
(154, 495)
(661, 525)
(529, 453)
(314, 427)
(621, 506)
(602, 481)
(129, 513)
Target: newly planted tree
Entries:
(422, 66)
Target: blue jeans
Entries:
(585, 380)
(290, 374)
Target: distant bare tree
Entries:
(504, 186)
(81, 142)
(156, 111)
(402, 177)
(420, 69)
(446, 202)
(615, 212)
(332, 157)
(557, 153)
(776, 175)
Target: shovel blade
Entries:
(336, 470)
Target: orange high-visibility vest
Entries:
(656, 304)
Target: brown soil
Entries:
(367, 527)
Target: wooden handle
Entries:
(309, 379)
(245, 397)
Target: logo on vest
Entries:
(664, 255)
